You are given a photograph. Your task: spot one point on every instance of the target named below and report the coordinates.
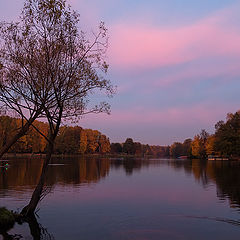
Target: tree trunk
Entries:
(36, 196)
(20, 134)
(35, 228)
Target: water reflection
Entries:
(224, 174)
(130, 165)
(25, 173)
(37, 231)
(22, 173)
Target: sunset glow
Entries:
(175, 65)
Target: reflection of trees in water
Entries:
(199, 171)
(78, 171)
(227, 178)
(22, 173)
(130, 164)
(26, 172)
(71, 171)
(38, 232)
(224, 174)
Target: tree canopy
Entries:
(49, 66)
(51, 69)
(227, 136)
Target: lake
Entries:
(117, 199)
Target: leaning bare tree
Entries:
(66, 69)
(22, 70)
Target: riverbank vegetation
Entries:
(7, 219)
(224, 142)
(76, 140)
(70, 140)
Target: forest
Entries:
(224, 142)
(76, 140)
(72, 140)
(68, 141)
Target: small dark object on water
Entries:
(183, 157)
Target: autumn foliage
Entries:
(224, 142)
(70, 140)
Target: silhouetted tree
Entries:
(116, 148)
(67, 68)
(187, 150)
(176, 149)
(138, 148)
(129, 147)
(146, 150)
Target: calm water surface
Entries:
(118, 199)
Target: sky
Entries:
(176, 65)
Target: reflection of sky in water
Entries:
(163, 200)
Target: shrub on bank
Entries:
(7, 218)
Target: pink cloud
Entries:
(143, 45)
(198, 73)
(202, 114)
(159, 126)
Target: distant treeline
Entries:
(69, 140)
(72, 140)
(224, 142)
(76, 140)
(130, 147)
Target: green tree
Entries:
(227, 135)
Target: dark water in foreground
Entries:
(94, 199)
